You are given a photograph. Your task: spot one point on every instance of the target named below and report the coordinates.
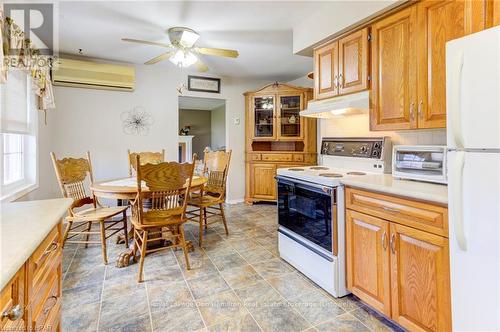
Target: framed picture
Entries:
(203, 84)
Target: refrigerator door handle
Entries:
(456, 100)
(457, 199)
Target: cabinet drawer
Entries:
(277, 157)
(46, 258)
(298, 158)
(255, 157)
(424, 216)
(12, 295)
(46, 305)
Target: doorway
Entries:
(202, 125)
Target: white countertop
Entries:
(385, 183)
(23, 226)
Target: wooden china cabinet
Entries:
(276, 136)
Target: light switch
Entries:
(237, 121)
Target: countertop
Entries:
(385, 183)
(23, 226)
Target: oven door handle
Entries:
(325, 190)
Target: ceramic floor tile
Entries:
(228, 261)
(374, 320)
(92, 275)
(343, 323)
(291, 285)
(130, 324)
(80, 296)
(80, 318)
(184, 317)
(259, 294)
(348, 303)
(207, 285)
(241, 276)
(279, 317)
(272, 268)
(220, 307)
(256, 255)
(165, 296)
(159, 275)
(121, 308)
(244, 323)
(316, 307)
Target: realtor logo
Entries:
(36, 20)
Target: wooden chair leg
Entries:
(89, 228)
(125, 230)
(143, 255)
(134, 245)
(223, 215)
(205, 217)
(66, 232)
(103, 243)
(200, 235)
(184, 246)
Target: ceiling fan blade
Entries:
(138, 41)
(200, 66)
(217, 52)
(159, 58)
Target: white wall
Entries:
(88, 119)
(218, 131)
(331, 17)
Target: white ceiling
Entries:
(260, 31)
(195, 103)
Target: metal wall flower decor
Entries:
(137, 121)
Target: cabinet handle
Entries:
(420, 104)
(393, 243)
(336, 81)
(384, 240)
(341, 81)
(388, 209)
(412, 111)
(53, 247)
(13, 313)
(47, 309)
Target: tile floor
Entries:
(236, 283)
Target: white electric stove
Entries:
(311, 207)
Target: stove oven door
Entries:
(308, 211)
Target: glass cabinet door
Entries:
(290, 124)
(264, 117)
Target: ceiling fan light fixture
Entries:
(183, 58)
(182, 36)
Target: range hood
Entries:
(355, 103)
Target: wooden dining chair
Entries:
(168, 186)
(146, 157)
(209, 202)
(73, 175)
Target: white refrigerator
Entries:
(473, 139)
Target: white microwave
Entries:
(419, 162)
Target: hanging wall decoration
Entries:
(136, 121)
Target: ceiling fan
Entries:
(182, 50)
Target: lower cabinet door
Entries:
(262, 182)
(367, 243)
(420, 281)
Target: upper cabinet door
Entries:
(439, 22)
(353, 62)
(420, 280)
(264, 117)
(291, 124)
(492, 13)
(326, 71)
(393, 97)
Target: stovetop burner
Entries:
(356, 173)
(331, 175)
(296, 169)
(318, 168)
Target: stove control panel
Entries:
(371, 148)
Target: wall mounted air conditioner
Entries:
(93, 75)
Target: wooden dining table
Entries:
(126, 188)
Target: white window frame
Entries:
(15, 190)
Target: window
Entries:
(18, 141)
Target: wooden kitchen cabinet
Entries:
(341, 66)
(12, 304)
(262, 182)
(396, 265)
(353, 62)
(394, 79)
(492, 13)
(420, 280)
(368, 259)
(326, 71)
